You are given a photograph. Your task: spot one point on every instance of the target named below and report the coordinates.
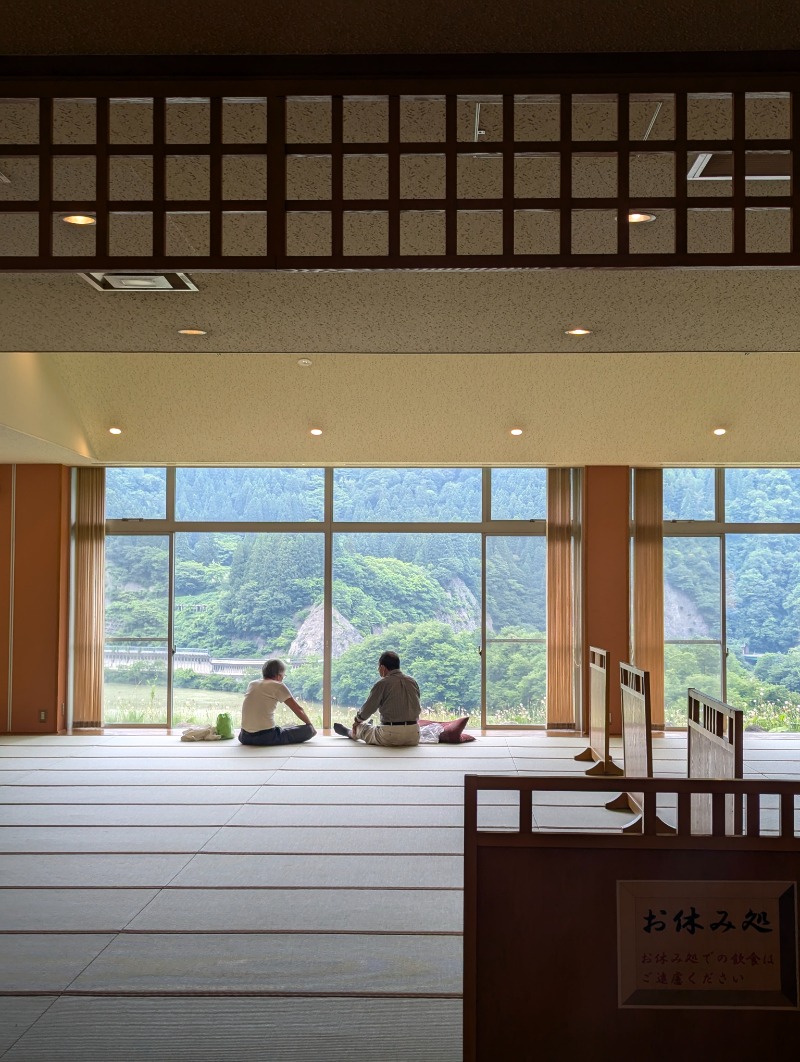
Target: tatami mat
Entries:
(118, 814)
(72, 909)
(366, 872)
(43, 963)
(17, 1014)
(294, 910)
(398, 794)
(77, 870)
(397, 840)
(297, 963)
(343, 815)
(104, 838)
(49, 793)
(81, 776)
(135, 867)
(244, 1030)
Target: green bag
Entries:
(224, 726)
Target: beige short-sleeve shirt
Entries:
(260, 701)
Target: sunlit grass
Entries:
(147, 705)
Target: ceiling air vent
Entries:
(139, 281)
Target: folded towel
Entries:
(200, 733)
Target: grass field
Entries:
(125, 704)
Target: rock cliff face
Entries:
(681, 616)
(464, 613)
(308, 644)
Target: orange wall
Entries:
(39, 612)
(5, 588)
(606, 553)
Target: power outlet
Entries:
(42, 717)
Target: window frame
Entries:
(719, 528)
(485, 527)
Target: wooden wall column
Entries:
(606, 575)
(34, 597)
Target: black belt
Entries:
(406, 722)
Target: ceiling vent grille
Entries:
(139, 281)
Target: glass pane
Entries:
(516, 580)
(516, 670)
(691, 588)
(516, 684)
(239, 600)
(763, 590)
(769, 495)
(137, 602)
(407, 495)
(418, 595)
(136, 493)
(685, 666)
(688, 493)
(519, 493)
(249, 494)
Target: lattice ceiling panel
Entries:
(407, 180)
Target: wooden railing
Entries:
(545, 923)
(749, 794)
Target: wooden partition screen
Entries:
(637, 737)
(715, 742)
(658, 940)
(599, 717)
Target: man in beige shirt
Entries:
(395, 697)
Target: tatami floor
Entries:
(200, 902)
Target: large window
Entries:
(211, 571)
(732, 591)
(136, 660)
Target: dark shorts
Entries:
(287, 735)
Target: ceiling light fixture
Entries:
(305, 363)
(637, 217)
(578, 332)
(316, 431)
(720, 431)
(115, 431)
(192, 332)
(516, 431)
(80, 219)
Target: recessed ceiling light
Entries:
(115, 431)
(192, 332)
(720, 431)
(80, 219)
(578, 332)
(638, 218)
(316, 431)
(305, 362)
(516, 431)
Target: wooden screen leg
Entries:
(586, 755)
(605, 768)
(620, 803)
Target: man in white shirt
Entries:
(258, 710)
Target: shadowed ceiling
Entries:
(671, 355)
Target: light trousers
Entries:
(388, 735)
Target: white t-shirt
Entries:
(260, 701)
